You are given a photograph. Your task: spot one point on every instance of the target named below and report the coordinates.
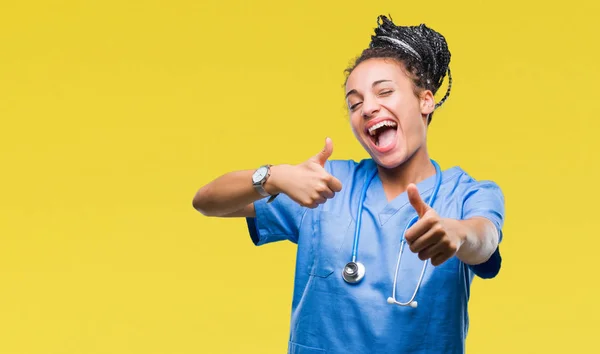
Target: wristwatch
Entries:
(259, 177)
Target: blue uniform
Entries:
(331, 316)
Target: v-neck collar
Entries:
(377, 199)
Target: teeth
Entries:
(381, 124)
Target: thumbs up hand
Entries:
(308, 183)
(432, 237)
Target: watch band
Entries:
(259, 187)
(261, 190)
(272, 198)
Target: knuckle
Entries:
(439, 228)
(445, 242)
(428, 220)
(321, 187)
(435, 215)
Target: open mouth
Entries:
(383, 134)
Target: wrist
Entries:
(272, 184)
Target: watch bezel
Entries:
(255, 179)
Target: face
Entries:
(387, 118)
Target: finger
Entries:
(319, 199)
(431, 251)
(431, 236)
(311, 201)
(314, 203)
(334, 184)
(416, 201)
(419, 229)
(327, 193)
(440, 258)
(323, 190)
(324, 154)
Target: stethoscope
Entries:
(354, 271)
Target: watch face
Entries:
(259, 174)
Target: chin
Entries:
(390, 161)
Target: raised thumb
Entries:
(416, 201)
(324, 154)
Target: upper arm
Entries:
(485, 199)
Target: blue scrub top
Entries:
(331, 316)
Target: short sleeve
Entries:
(485, 199)
(277, 221)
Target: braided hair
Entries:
(423, 51)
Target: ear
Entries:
(427, 102)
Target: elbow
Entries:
(479, 254)
(201, 203)
(198, 206)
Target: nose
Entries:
(370, 107)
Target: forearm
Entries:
(228, 194)
(479, 240)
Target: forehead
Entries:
(375, 69)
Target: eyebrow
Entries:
(373, 85)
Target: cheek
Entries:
(355, 124)
(412, 132)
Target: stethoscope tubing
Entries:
(356, 278)
(363, 195)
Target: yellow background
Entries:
(115, 112)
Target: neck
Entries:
(414, 170)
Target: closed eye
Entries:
(355, 106)
(385, 92)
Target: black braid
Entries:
(423, 51)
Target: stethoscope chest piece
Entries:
(353, 272)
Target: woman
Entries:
(358, 289)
